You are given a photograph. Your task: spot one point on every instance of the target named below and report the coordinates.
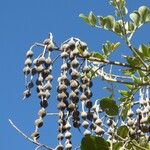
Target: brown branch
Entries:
(27, 137)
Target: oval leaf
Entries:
(109, 106)
(94, 143)
(123, 131)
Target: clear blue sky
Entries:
(21, 24)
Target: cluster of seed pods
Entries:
(39, 70)
(70, 79)
(137, 122)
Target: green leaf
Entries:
(125, 110)
(125, 93)
(97, 55)
(110, 22)
(92, 19)
(123, 131)
(117, 146)
(94, 143)
(101, 21)
(85, 18)
(144, 13)
(109, 106)
(118, 27)
(109, 47)
(135, 17)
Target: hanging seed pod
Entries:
(62, 87)
(99, 130)
(85, 80)
(39, 68)
(67, 126)
(44, 103)
(35, 62)
(74, 63)
(47, 41)
(89, 104)
(71, 107)
(35, 135)
(90, 116)
(130, 113)
(86, 69)
(74, 74)
(26, 94)
(29, 53)
(83, 115)
(42, 112)
(28, 62)
(92, 126)
(30, 85)
(76, 124)
(85, 124)
(33, 71)
(88, 94)
(61, 106)
(39, 122)
(86, 54)
(98, 122)
(48, 62)
(74, 84)
(87, 132)
(47, 86)
(68, 146)
(60, 136)
(62, 96)
(64, 55)
(68, 135)
(83, 97)
(60, 147)
(49, 78)
(26, 70)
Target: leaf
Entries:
(85, 18)
(125, 110)
(135, 17)
(125, 93)
(118, 28)
(109, 106)
(110, 22)
(123, 131)
(97, 55)
(101, 21)
(117, 146)
(94, 143)
(144, 13)
(109, 47)
(92, 19)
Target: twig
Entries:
(27, 137)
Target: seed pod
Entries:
(83, 97)
(75, 52)
(64, 55)
(60, 147)
(71, 45)
(33, 71)
(143, 120)
(35, 135)
(71, 106)
(85, 80)
(88, 94)
(76, 124)
(28, 62)
(86, 69)
(47, 41)
(85, 124)
(42, 112)
(29, 53)
(76, 113)
(74, 74)
(89, 104)
(130, 113)
(67, 135)
(26, 70)
(60, 136)
(74, 84)
(64, 67)
(67, 126)
(48, 62)
(44, 103)
(30, 84)
(98, 122)
(39, 68)
(61, 106)
(62, 96)
(86, 54)
(26, 94)
(90, 116)
(83, 115)
(95, 117)
(92, 126)
(39, 122)
(47, 94)
(49, 78)
(138, 111)
(47, 86)
(130, 122)
(68, 146)
(87, 132)
(35, 62)
(109, 122)
(74, 63)
(73, 96)
(99, 130)
(62, 87)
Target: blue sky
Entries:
(21, 24)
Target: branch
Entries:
(28, 138)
